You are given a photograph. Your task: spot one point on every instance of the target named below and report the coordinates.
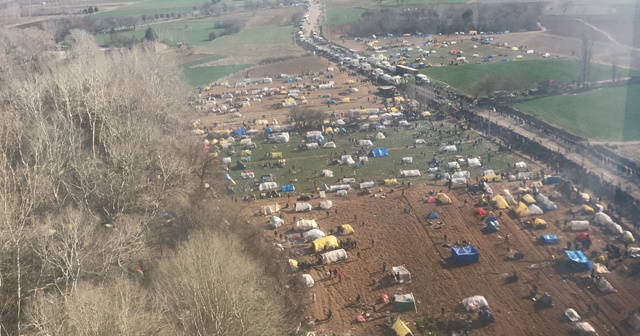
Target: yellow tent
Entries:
(326, 121)
(328, 130)
(587, 209)
(347, 229)
(245, 152)
(328, 241)
(220, 133)
(539, 223)
(289, 100)
(514, 48)
(293, 264)
(346, 100)
(394, 110)
(473, 32)
(302, 98)
(275, 155)
(214, 141)
(528, 199)
(519, 57)
(443, 198)
(364, 111)
(501, 203)
(223, 142)
(521, 209)
(398, 99)
(492, 177)
(391, 181)
(426, 113)
(401, 328)
(351, 81)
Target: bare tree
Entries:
(306, 118)
(586, 52)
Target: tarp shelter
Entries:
(365, 185)
(474, 303)
(379, 136)
(461, 174)
(579, 225)
(420, 141)
(453, 165)
(346, 229)
(627, 237)
(551, 179)
(535, 210)
(303, 206)
(379, 152)
(546, 202)
(508, 197)
(603, 219)
(401, 273)
(275, 222)
(329, 144)
(330, 242)
(347, 159)
(500, 202)
(587, 209)
(443, 198)
(288, 187)
(481, 211)
(341, 193)
(584, 329)
(549, 239)
(226, 160)
(521, 165)
(391, 181)
(527, 198)
(432, 215)
(306, 225)
(334, 256)
(539, 223)
(327, 173)
(314, 234)
(326, 204)
(404, 302)
(338, 187)
(275, 155)
(269, 209)
(634, 321)
(521, 210)
(431, 199)
(307, 280)
(474, 162)
(407, 160)
(465, 255)
(365, 143)
(578, 260)
(293, 264)
(401, 329)
(450, 148)
(409, 173)
(492, 225)
(312, 145)
(615, 228)
(524, 176)
(459, 181)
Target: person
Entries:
(373, 243)
(329, 315)
(358, 254)
(358, 299)
(442, 311)
(384, 266)
(340, 276)
(446, 238)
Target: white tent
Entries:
(312, 145)
(450, 148)
(433, 169)
(603, 219)
(365, 143)
(267, 186)
(615, 228)
(475, 302)
(313, 234)
(226, 160)
(459, 181)
(347, 159)
(329, 144)
(306, 225)
(380, 136)
(579, 225)
(245, 142)
(307, 280)
(634, 321)
(327, 173)
(303, 206)
(270, 209)
(402, 273)
(535, 210)
(341, 193)
(409, 173)
(420, 141)
(461, 174)
(546, 202)
(605, 286)
(584, 329)
(275, 222)
(521, 165)
(474, 162)
(525, 176)
(453, 164)
(326, 204)
(508, 197)
(407, 160)
(334, 256)
(627, 237)
(369, 184)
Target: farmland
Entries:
(342, 15)
(198, 73)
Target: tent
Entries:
(432, 215)
(507, 197)
(578, 260)
(365, 185)
(461, 174)
(450, 148)
(329, 144)
(312, 145)
(333, 256)
(579, 225)
(341, 193)
(300, 207)
(347, 159)
(603, 219)
(481, 211)
(409, 173)
(327, 204)
(407, 160)
(346, 229)
(453, 165)
(474, 162)
(267, 186)
(326, 173)
(431, 199)
(379, 136)
(269, 209)
(365, 143)
(627, 237)
(305, 225)
(521, 210)
(587, 209)
(329, 242)
(443, 198)
(275, 222)
(404, 302)
(314, 234)
(615, 228)
(634, 321)
(337, 187)
(401, 273)
(521, 165)
(492, 177)
(535, 210)
(420, 141)
(474, 303)
(465, 255)
(584, 329)
(288, 187)
(500, 202)
(293, 264)
(546, 202)
(401, 329)
(539, 223)
(379, 152)
(459, 181)
(492, 225)
(549, 239)
(391, 181)
(527, 198)
(307, 280)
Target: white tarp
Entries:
(420, 141)
(307, 280)
(337, 187)
(525, 176)
(521, 165)
(474, 162)
(369, 184)
(459, 181)
(267, 186)
(546, 202)
(535, 210)
(407, 160)
(380, 136)
(333, 256)
(313, 234)
(306, 225)
(461, 174)
(365, 143)
(279, 138)
(453, 164)
(347, 159)
(450, 148)
(615, 228)
(603, 219)
(579, 225)
(627, 237)
(508, 197)
(226, 160)
(475, 302)
(329, 144)
(303, 206)
(312, 145)
(584, 329)
(270, 209)
(327, 173)
(409, 173)
(275, 222)
(326, 204)
(401, 273)
(341, 193)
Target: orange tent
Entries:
(481, 212)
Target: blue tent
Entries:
(378, 152)
(492, 226)
(504, 59)
(486, 59)
(549, 239)
(332, 101)
(289, 80)
(492, 219)
(315, 138)
(551, 179)
(432, 215)
(465, 255)
(240, 131)
(268, 130)
(329, 76)
(579, 261)
(288, 187)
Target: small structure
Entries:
(578, 260)
(465, 255)
(404, 302)
(402, 274)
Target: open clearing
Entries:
(153, 7)
(191, 32)
(342, 15)
(198, 73)
(609, 114)
(420, 2)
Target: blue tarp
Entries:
(268, 130)
(288, 187)
(432, 215)
(492, 226)
(551, 179)
(492, 219)
(378, 152)
(315, 138)
(228, 177)
(465, 255)
(579, 260)
(240, 131)
(289, 80)
(549, 239)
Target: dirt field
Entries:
(408, 239)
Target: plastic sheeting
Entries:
(334, 256)
(474, 162)
(314, 234)
(275, 222)
(409, 173)
(474, 303)
(300, 207)
(327, 204)
(306, 225)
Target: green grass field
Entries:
(419, 2)
(610, 114)
(152, 7)
(260, 35)
(192, 32)
(342, 15)
(203, 75)
(464, 77)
